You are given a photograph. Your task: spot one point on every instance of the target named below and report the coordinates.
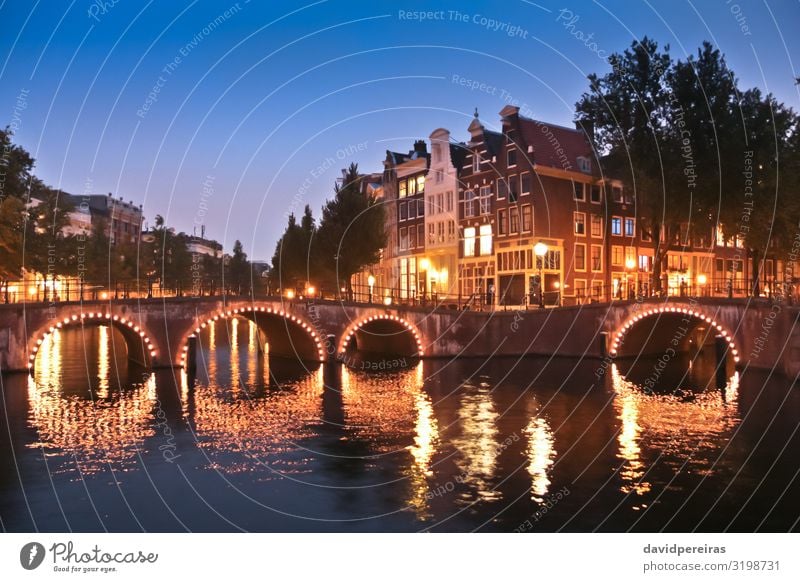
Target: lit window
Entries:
(486, 239)
(617, 256)
(420, 183)
(630, 227)
(616, 226)
(412, 186)
(469, 241)
(403, 189)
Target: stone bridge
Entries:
(159, 332)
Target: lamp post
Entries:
(371, 283)
(629, 265)
(701, 281)
(540, 250)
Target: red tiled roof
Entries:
(555, 146)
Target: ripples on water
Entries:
(258, 443)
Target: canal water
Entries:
(91, 443)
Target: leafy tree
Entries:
(293, 259)
(12, 224)
(627, 109)
(238, 269)
(351, 233)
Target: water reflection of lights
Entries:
(108, 427)
(681, 429)
(478, 442)
(426, 440)
(541, 455)
(231, 416)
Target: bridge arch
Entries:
(301, 339)
(639, 329)
(141, 348)
(399, 335)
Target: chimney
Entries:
(420, 146)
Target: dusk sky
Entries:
(267, 101)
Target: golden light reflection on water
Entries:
(542, 454)
(265, 424)
(478, 443)
(93, 426)
(683, 429)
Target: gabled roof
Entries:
(554, 145)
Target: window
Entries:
(580, 223)
(617, 256)
(584, 165)
(513, 189)
(597, 258)
(403, 189)
(580, 288)
(596, 195)
(420, 207)
(597, 226)
(439, 203)
(486, 199)
(645, 263)
(502, 188)
(431, 210)
(630, 256)
(431, 233)
(420, 183)
(628, 197)
(552, 260)
(646, 236)
(486, 239)
(502, 217)
(527, 218)
(440, 231)
(412, 209)
(513, 220)
(412, 187)
(630, 227)
(469, 241)
(449, 202)
(616, 194)
(476, 163)
(403, 211)
(580, 257)
(579, 192)
(403, 239)
(616, 226)
(526, 183)
(412, 237)
(511, 157)
(451, 230)
(420, 236)
(469, 203)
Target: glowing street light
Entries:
(540, 249)
(311, 290)
(629, 265)
(290, 294)
(371, 283)
(702, 280)
(387, 301)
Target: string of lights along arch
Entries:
(356, 327)
(253, 310)
(676, 310)
(93, 316)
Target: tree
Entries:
(238, 269)
(294, 257)
(626, 110)
(351, 233)
(12, 224)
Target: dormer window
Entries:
(476, 162)
(584, 165)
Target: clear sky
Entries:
(232, 114)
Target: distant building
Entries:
(122, 220)
(202, 246)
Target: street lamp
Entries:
(702, 280)
(387, 301)
(371, 283)
(540, 249)
(629, 265)
(290, 294)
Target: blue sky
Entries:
(266, 101)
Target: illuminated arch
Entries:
(130, 331)
(407, 328)
(253, 311)
(619, 336)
